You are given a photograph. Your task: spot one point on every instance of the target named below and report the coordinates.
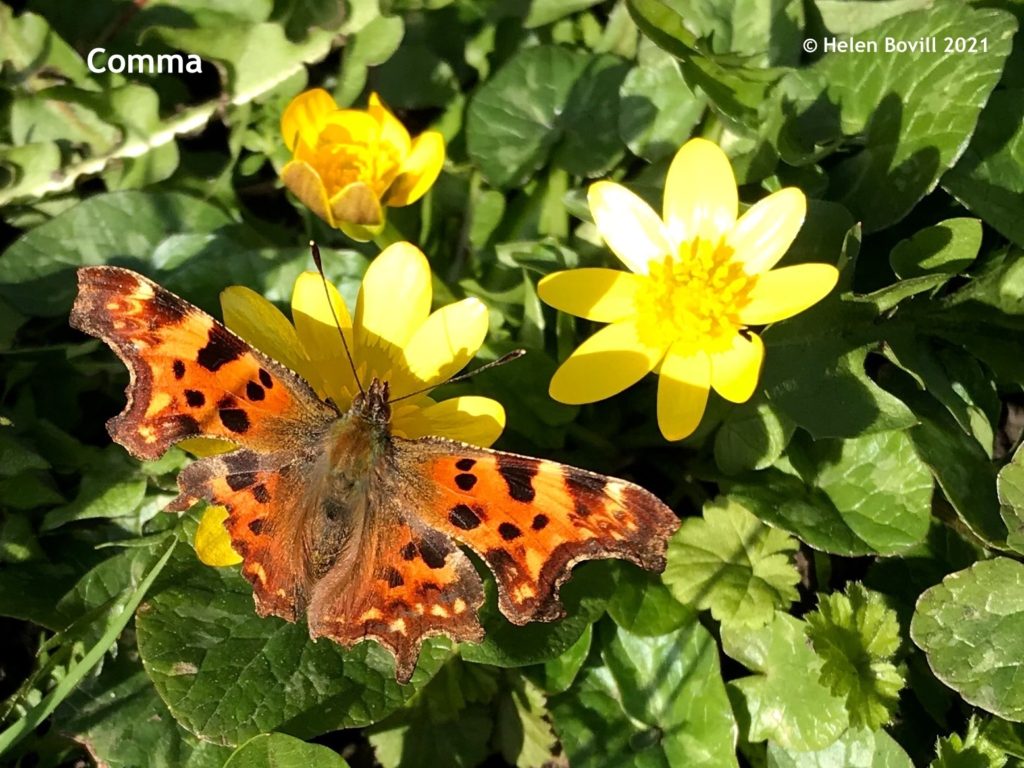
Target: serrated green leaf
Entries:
(971, 627)
(732, 563)
(653, 701)
(227, 675)
(989, 179)
(523, 732)
(856, 636)
(784, 701)
(854, 749)
(278, 750)
(972, 750)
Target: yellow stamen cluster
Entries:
(694, 298)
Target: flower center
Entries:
(694, 298)
(340, 164)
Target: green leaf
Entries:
(372, 45)
(558, 673)
(112, 487)
(643, 605)
(653, 701)
(753, 436)
(507, 645)
(124, 722)
(513, 120)
(906, 140)
(878, 483)
(732, 563)
(989, 178)
(278, 750)
(523, 730)
(971, 626)
(658, 111)
(34, 54)
(227, 675)
(856, 636)
(784, 701)
(1010, 488)
(854, 749)
(590, 143)
(36, 272)
(544, 12)
(972, 750)
(851, 17)
(947, 248)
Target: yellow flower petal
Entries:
(305, 116)
(734, 372)
(419, 170)
(630, 226)
(700, 193)
(357, 204)
(318, 334)
(683, 382)
(306, 184)
(205, 446)
(601, 295)
(785, 292)
(264, 326)
(447, 340)
(392, 133)
(471, 419)
(394, 300)
(764, 233)
(608, 362)
(350, 126)
(213, 544)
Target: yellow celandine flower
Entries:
(393, 336)
(349, 165)
(699, 279)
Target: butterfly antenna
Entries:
(315, 249)
(508, 357)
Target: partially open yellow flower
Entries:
(699, 278)
(349, 165)
(394, 337)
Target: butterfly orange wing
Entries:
(189, 374)
(532, 520)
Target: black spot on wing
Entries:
(178, 367)
(221, 348)
(509, 532)
(465, 464)
(256, 526)
(580, 482)
(465, 481)
(539, 522)
(195, 398)
(254, 391)
(464, 517)
(234, 419)
(261, 494)
(433, 552)
(393, 578)
(266, 379)
(409, 551)
(240, 480)
(518, 474)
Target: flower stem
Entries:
(389, 235)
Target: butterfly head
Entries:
(372, 405)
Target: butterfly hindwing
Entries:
(532, 520)
(190, 376)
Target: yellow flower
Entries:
(699, 278)
(348, 165)
(393, 336)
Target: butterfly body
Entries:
(336, 518)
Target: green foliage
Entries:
(857, 636)
(732, 563)
(881, 446)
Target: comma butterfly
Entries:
(337, 518)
